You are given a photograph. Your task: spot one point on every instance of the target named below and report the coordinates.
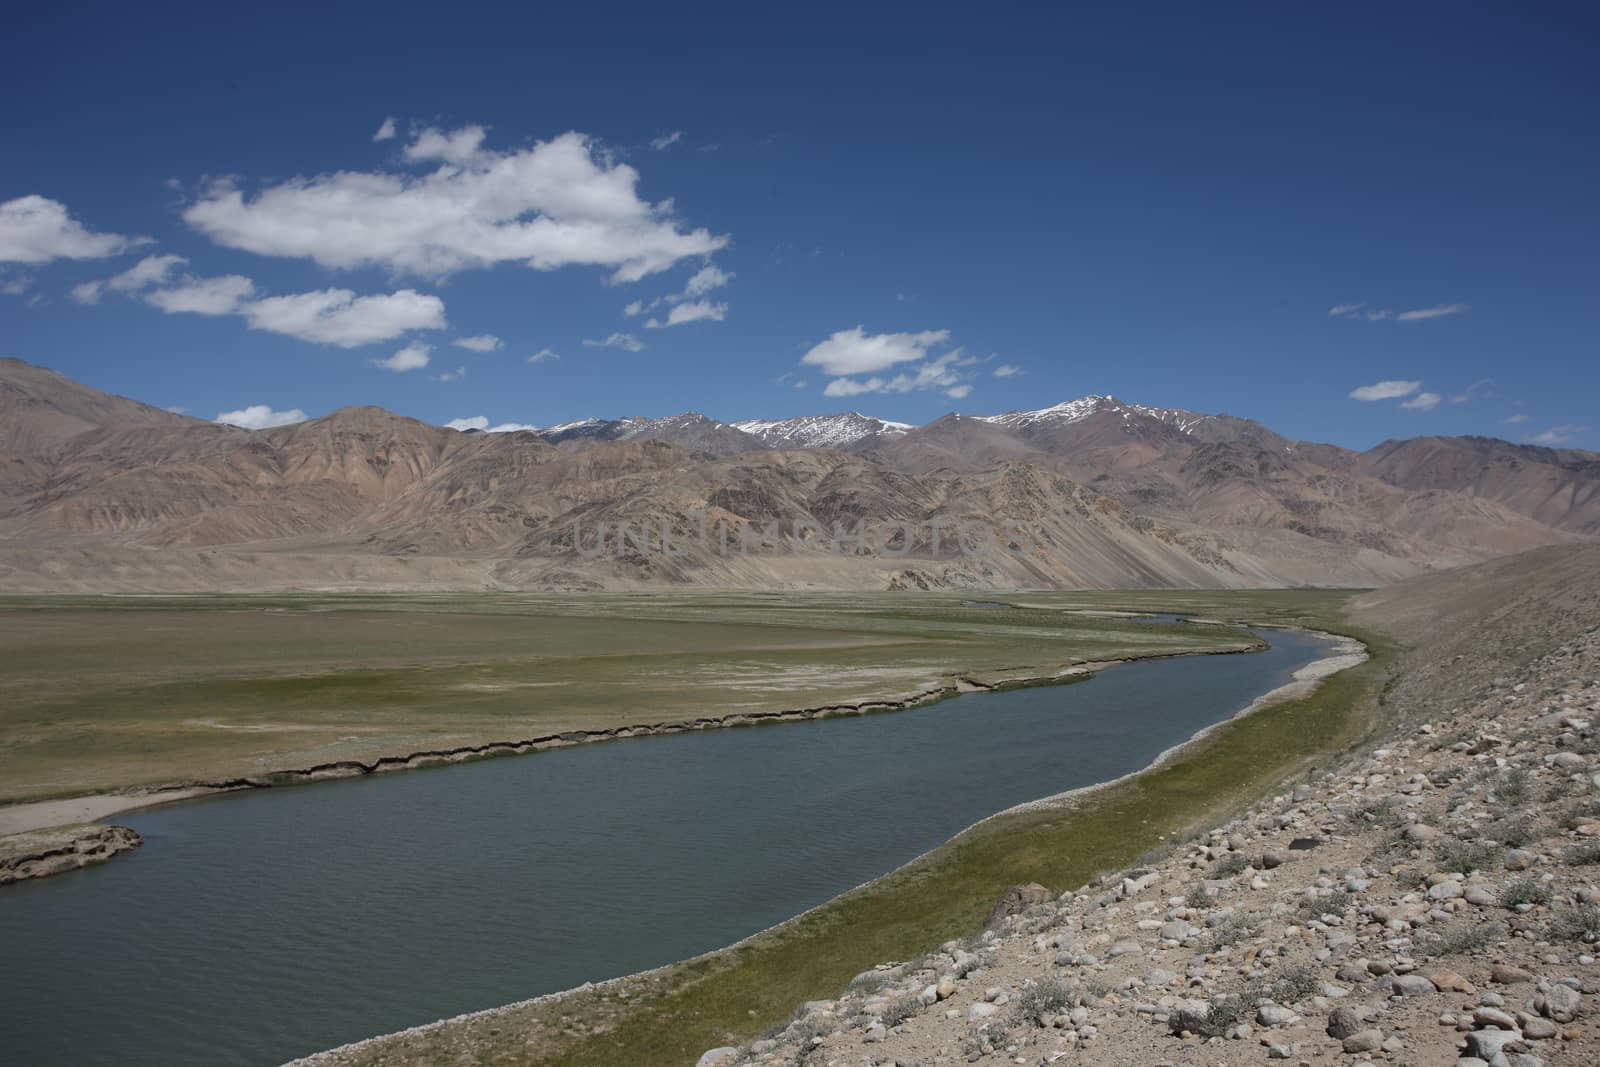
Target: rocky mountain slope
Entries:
(98, 492)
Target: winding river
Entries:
(257, 927)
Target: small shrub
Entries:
(1459, 941)
(1577, 924)
(1512, 788)
(1334, 902)
(1586, 854)
(1222, 1016)
(1228, 866)
(1515, 833)
(1197, 897)
(1525, 890)
(1233, 929)
(868, 982)
(991, 1035)
(900, 1010)
(967, 964)
(1287, 987)
(1038, 1002)
(1467, 856)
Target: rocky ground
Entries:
(1432, 902)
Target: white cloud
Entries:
(1438, 311)
(481, 422)
(666, 140)
(451, 375)
(1467, 394)
(543, 355)
(557, 203)
(339, 317)
(1386, 390)
(1423, 402)
(224, 295)
(16, 285)
(260, 417)
(854, 351)
(1514, 420)
(412, 357)
(1007, 370)
(941, 373)
(706, 279)
(1565, 434)
(698, 311)
(617, 340)
(1353, 311)
(636, 308)
(385, 132)
(483, 342)
(151, 270)
(36, 229)
(176, 409)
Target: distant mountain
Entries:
(850, 432)
(691, 430)
(102, 493)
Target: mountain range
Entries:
(103, 493)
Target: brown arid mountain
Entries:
(102, 493)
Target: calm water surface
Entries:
(253, 928)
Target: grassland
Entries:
(669, 1017)
(101, 694)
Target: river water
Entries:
(253, 928)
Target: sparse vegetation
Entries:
(1232, 929)
(1462, 940)
(1222, 1016)
(1577, 924)
(1512, 788)
(1525, 890)
(1229, 866)
(900, 1010)
(1467, 856)
(1290, 986)
(1333, 902)
(1583, 855)
(1037, 1003)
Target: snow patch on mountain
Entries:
(1076, 410)
(821, 431)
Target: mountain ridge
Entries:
(99, 492)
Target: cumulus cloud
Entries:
(36, 229)
(543, 355)
(1007, 370)
(483, 342)
(412, 357)
(481, 423)
(697, 311)
(1438, 311)
(944, 373)
(854, 351)
(617, 340)
(223, 295)
(1565, 434)
(260, 417)
(1423, 402)
(151, 270)
(386, 132)
(339, 317)
(557, 203)
(666, 140)
(1385, 390)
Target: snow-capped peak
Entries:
(1070, 411)
(821, 431)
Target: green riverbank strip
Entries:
(667, 1018)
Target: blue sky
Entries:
(894, 205)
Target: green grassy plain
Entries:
(105, 693)
(668, 1018)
